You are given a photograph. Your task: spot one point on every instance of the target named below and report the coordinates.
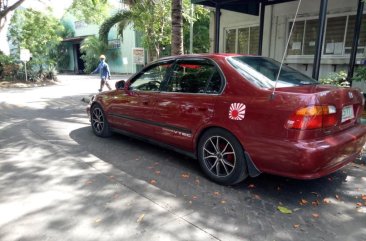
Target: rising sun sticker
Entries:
(237, 111)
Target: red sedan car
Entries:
(224, 110)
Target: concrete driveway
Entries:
(58, 181)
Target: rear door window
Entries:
(195, 76)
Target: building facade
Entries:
(119, 54)
(239, 33)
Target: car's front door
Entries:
(187, 101)
(134, 108)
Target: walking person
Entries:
(105, 74)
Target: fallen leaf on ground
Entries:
(216, 193)
(315, 215)
(326, 201)
(296, 225)
(303, 202)
(139, 220)
(256, 196)
(251, 186)
(284, 210)
(153, 182)
(184, 175)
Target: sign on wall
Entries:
(138, 56)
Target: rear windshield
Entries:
(263, 72)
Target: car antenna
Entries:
(286, 48)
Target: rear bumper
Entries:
(310, 159)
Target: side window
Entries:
(195, 76)
(150, 80)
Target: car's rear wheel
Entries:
(222, 157)
(99, 121)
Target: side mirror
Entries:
(120, 85)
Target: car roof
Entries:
(213, 56)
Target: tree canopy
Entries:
(153, 19)
(5, 9)
(90, 11)
(37, 32)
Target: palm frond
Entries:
(122, 18)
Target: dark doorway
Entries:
(79, 62)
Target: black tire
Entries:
(222, 157)
(99, 122)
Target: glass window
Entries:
(296, 41)
(230, 40)
(114, 44)
(254, 40)
(311, 33)
(350, 33)
(338, 37)
(243, 40)
(150, 79)
(334, 38)
(195, 76)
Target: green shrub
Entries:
(360, 74)
(336, 79)
(7, 67)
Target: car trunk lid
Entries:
(348, 103)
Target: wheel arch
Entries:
(253, 171)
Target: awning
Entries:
(243, 6)
(75, 39)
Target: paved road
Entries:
(60, 182)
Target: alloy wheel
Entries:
(219, 156)
(98, 120)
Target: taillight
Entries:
(313, 117)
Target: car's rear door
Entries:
(133, 109)
(187, 101)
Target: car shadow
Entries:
(181, 176)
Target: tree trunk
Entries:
(177, 27)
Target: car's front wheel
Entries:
(99, 121)
(222, 157)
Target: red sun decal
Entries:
(237, 111)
